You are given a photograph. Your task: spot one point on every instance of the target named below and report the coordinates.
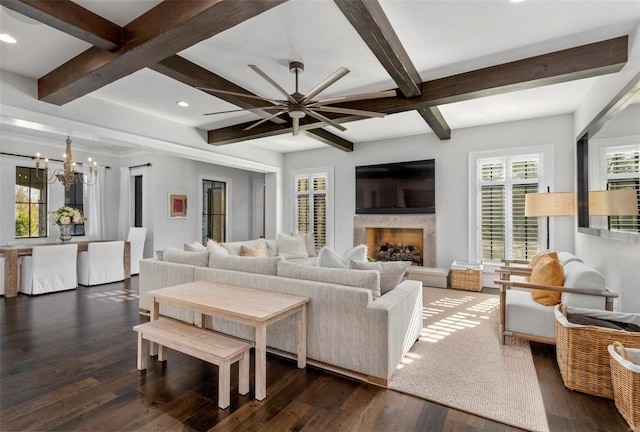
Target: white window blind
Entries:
(623, 172)
(504, 230)
(311, 206)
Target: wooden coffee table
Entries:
(254, 307)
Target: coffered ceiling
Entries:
(391, 44)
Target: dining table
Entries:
(12, 253)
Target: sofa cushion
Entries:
(354, 278)
(183, 257)
(567, 257)
(391, 273)
(261, 265)
(215, 247)
(196, 246)
(547, 271)
(248, 251)
(234, 247)
(310, 242)
(292, 246)
(579, 275)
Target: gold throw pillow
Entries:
(248, 251)
(545, 253)
(548, 271)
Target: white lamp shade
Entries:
(549, 204)
(619, 202)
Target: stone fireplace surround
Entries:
(425, 222)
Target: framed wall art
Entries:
(177, 205)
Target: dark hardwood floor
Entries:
(68, 362)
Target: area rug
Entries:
(459, 362)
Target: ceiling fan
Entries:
(298, 105)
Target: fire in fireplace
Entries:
(395, 244)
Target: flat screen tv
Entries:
(402, 187)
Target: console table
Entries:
(254, 307)
(11, 254)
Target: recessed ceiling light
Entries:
(516, 1)
(182, 104)
(6, 38)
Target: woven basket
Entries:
(583, 357)
(470, 279)
(625, 376)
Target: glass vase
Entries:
(65, 232)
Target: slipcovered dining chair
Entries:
(49, 269)
(102, 263)
(136, 241)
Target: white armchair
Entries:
(49, 269)
(136, 239)
(102, 263)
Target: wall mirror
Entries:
(608, 155)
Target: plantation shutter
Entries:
(493, 235)
(311, 206)
(504, 230)
(623, 172)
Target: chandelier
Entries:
(68, 175)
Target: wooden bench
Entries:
(199, 343)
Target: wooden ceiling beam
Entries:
(373, 26)
(599, 58)
(71, 18)
(161, 32)
(191, 74)
(585, 61)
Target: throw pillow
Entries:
(310, 241)
(196, 246)
(545, 253)
(248, 251)
(292, 246)
(160, 255)
(358, 253)
(216, 248)
(272, 247)
(329, 258)
(233, 248)
(183, 257)
(391, 273)
(547, 271)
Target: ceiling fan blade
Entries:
(324, 84)
(249, 96)
(296, 126)
(349, 111)
(265, 119)
(322, 118)
(272, 82)
(244, 109)
(363, 96)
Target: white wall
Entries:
(174, 175)
(618, 261)
(451, 175)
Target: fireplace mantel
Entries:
(425, 222)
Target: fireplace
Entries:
(405, 234)
(395, 244)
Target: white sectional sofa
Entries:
(349, 330)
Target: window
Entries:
(503, 183)
(214, 211)
(311, 199)
(623, 172)
(74, 198)
(31, 203)
(137, 201)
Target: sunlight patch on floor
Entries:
(439, 330)
(113, 296)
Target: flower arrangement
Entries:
(66, 216)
